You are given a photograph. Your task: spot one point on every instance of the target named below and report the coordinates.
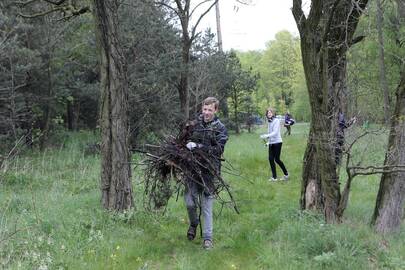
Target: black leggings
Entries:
(274, 155)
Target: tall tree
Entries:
(383, 77)
(116, 186)
(184, 12)
(279, 68)
(218, 21)
(389, 208)
(243, 84)
(326, 35)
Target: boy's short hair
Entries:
(211, 100)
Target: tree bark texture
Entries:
(389, 209)
(311, 194)
(116, 187)
(326, 34)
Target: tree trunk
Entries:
(13, 109)
(116, 184)
(223, 105)
(311, 187)
(76, 113)
(383, 77)
(47, 118)
(184, 93)
(401, 9)
(219, 32)
(69, 114)
(235, 109)
(325, 37)
(319, 178)
(389, 209)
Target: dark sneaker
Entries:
(191, 232)
(207, 244)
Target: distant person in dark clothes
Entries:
(288, 122)
(340, 135)
(274, 142)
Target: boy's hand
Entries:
(264, 136)
(191, 145)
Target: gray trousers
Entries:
(191, 198)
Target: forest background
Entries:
(50, 81)
(50, 78)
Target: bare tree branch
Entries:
(69, 9)
(298, 14)
(196, 7)
(41, 14)
(8, 35)
(356, 40)
(193, 36)
(57, 3)
(23, 4)
(160, 3)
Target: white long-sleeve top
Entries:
(274, 135)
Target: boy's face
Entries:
(208, 112)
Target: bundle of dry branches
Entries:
(170, 165)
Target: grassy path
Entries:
(51, 219)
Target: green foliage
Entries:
(282, 81)
(242, 87)
(365, 93)
(52, 218)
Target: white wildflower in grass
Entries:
(48, 258)
(50, 241)
(43, 267)
(113, 257)
(35, 255)
(99, 235)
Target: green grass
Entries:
(51, 218)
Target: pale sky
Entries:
(250, 27)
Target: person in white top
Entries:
(274, 142)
